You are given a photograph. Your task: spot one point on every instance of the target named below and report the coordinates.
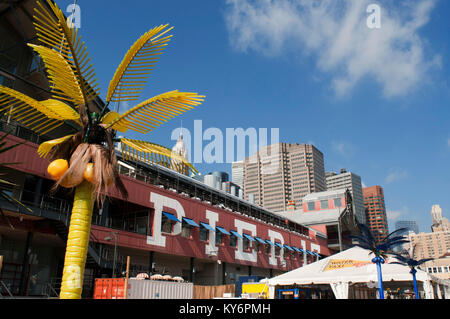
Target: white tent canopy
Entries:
(354, 265)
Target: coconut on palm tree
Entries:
(87, 159)
(379, 247)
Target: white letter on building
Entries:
(275, 235)
(239, 253)
(211, 248)
(160, 202)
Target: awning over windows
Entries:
(288, 247)
(308, 252)
(223, 230)
(261, 241)
(296, 249)
(279, 245)
(248, 237)
(301, 250)
(190, 222)
(171, 217)
(269, 242)
(235, 233)
(207, 226)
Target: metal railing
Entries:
(5, 287)
(14, 129)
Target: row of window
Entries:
(249, 242)
(324, 204)
(441, 269)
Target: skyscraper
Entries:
(435, 244)
(179, 149)
(376, 218)
(438, 222)
(237, 173)
(352, 182)
(411, 225)
(280, 175)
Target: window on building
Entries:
(166, 224)
(186, 230)
(337, 202)
(218, 238)
(277, 251)
(246, 244)
(233, 241)
(203, 234)
(256, 245)
(268, 249)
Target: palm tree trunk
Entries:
(77, 242)
(380, 280)
(416, 292)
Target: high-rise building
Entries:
(375, 209)
(410, 225)
(237, 173)
(436, 214)
(180, 149)
(435, 244)
(352, 182)
(278, 176)
(439, 223)
(430, 245)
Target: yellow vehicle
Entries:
(255, 290)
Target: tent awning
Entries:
(352, 265)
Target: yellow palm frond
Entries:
(62, 109)
(151, 153)
(64, 83)
(109, 118)
(46, 147)
(52, 30)
(40, 117)
(157, 110)
(132, 73)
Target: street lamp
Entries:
(109, 238)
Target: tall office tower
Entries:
(278, 176)
(438, 222)
(436, 214)
(410, 225)
(375, 211)
(352, 182)
(237, 173)
(179, 149)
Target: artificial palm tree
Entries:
(408, 260)
(379, 247)
(89, 155)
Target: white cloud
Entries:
(343, 148)
(395, 175)
(363, 185)
(336, 33)
(448, 142)
(396, 214)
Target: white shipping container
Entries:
(156, 289)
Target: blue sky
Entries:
(374, 101)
